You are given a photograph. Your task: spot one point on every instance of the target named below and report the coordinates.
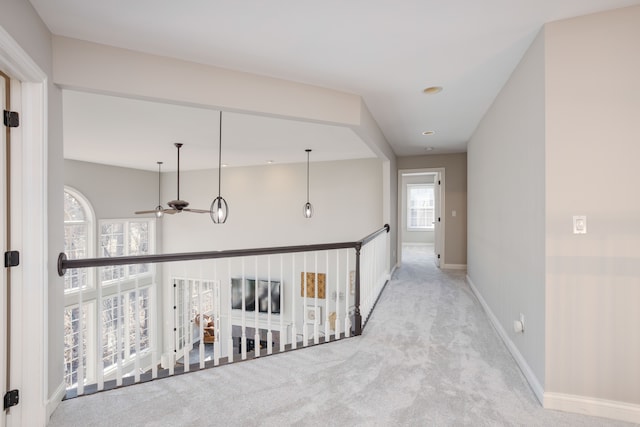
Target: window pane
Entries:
(139, 245)
(72, 340)
(76, 240)
(421, 203)
(112, 330)
(112, 245)
(138, 321)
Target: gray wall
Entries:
(592, 152)
(455, 166)
(553, 146)
(506, 204)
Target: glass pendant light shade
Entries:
(307, 209)
(159, 211)
(219, 210)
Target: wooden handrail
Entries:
(64, 263)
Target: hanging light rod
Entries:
(307, 209)
(219, 209)
(159, 208)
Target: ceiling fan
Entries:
(177, 205)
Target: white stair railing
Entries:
(135, 327)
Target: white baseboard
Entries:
(454, 266)
(592, 406)
(520, 360)
(393, 270)
(55, 400)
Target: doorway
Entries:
(421, 201)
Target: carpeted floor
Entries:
(428, 357)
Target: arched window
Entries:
(78, 236)
(108, 309)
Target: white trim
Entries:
(535, 385)
(592, 406)
(401, 205)
(30, 308)
(454, 266)
(56, 399)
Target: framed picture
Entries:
(313, 315)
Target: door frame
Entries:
(402, 207)
(29, 309)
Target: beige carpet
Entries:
(428, 357)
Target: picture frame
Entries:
(313, 315)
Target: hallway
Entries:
(428, 356)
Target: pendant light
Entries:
(307, 209)
(219, 209)
(159, 209)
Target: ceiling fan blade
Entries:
(196, 210)
(145, 212)
(170, 211)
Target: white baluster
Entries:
(217, 342)
(336, 324)
(347, 296)
(294, 330)
(316, 319)
(269, 333)
(256, 311)
(281, 296)
(243, 341)
(327, 305)
(230, 311)
(304, 301)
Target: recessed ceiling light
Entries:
(269, 162)
(429, 148)
(432, 90)
(428, 132)
(224, 165)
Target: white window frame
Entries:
(426, 227)
(151, 244)
(95, 290)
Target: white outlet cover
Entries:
(579, 224)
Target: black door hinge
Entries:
(438, 256)
(439, 182)
(12, 398)
(11, 259)
(11, 119)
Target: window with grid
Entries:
(125, 326)
(123, 311)
(124, 238)
(78, 223)
(421, 206)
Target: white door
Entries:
(438, 220)
(4, 321)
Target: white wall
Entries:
(592, 152)
(265, 205)
(506, 226)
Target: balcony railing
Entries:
(147, 317)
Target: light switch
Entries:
(453, 213)
(579, 224)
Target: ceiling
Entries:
(386, 51)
